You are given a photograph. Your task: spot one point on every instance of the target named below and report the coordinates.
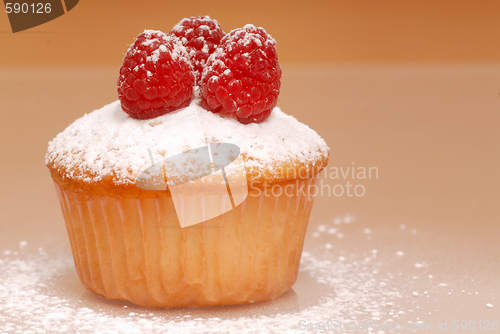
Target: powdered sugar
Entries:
(109, 142)
(161, 40)
(247, 39)
(30, 300)
(344, 281)
(200, 35)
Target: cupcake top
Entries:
(191, 102)
(109, 146)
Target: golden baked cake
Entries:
(151, 219)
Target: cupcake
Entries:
(195, 198)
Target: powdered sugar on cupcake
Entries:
(108, 142)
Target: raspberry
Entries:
(243, 76)
(156, 76)
(200, 35)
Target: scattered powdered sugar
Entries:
(420, 265)
(109, 142)
(344, 219)
(28, 303)
(36, 297)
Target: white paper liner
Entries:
(135, 249)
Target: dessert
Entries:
(156, 77)
(201, 36)
(148, 223)
(243, 76)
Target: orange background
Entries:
(97, 32)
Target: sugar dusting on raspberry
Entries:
(200, 35)
(156, 76)
(243, 76)
(109, 142)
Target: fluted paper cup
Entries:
(135, 249)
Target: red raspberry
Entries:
(243, 76)
(200, 35)
(156, 76)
